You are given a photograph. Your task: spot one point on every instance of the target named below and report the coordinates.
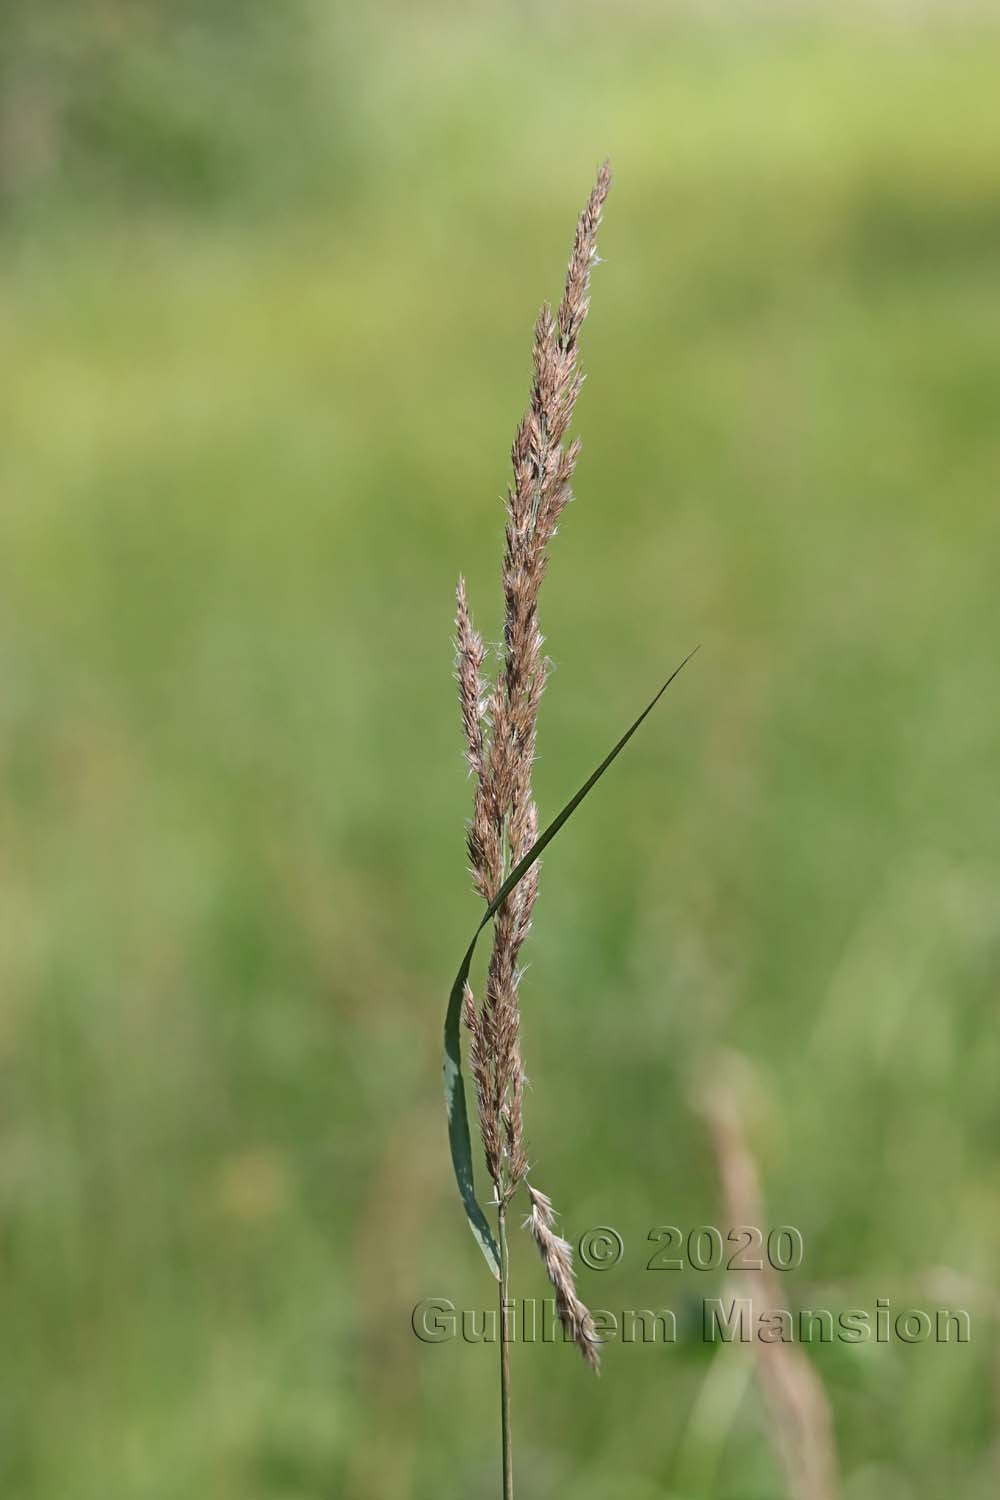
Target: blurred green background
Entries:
(269, 281)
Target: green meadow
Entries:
(268, 298)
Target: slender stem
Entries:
(505, 1448)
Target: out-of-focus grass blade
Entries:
(454, 1084)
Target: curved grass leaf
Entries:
(454, 1086)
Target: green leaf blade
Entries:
(454, 1084)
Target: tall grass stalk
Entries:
(500, 728)
(499, 718)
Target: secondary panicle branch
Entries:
(557, 1257)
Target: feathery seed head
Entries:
(499, 722)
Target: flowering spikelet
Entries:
(557, 1255)
(499, 721)
(470, 655)
(489, 1124)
